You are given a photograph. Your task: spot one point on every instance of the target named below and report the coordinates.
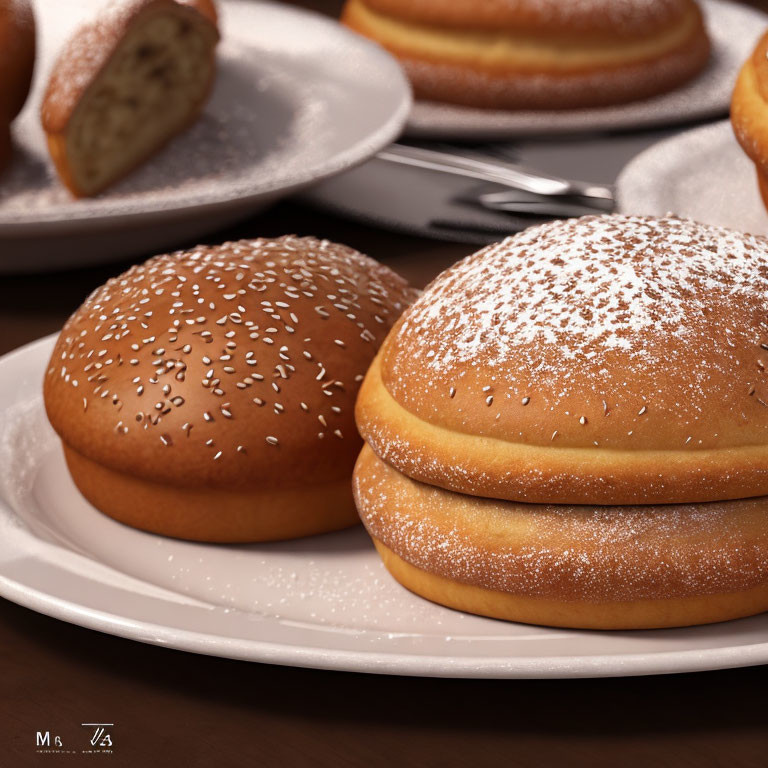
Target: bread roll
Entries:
(124, 86)
(17, 62)
(208, 394)
(538, 54)
(602, 360)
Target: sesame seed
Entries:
(272, 440)
(526, 400)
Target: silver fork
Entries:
(594, 196)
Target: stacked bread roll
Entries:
(570, 428)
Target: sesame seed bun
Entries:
(208, 394)
(537, 54)
(124, 85)
(585, 567)
(749, 111)
(601, 360)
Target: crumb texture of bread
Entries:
(123, 87)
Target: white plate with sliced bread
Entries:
(297, 98)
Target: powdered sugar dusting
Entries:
(589, 553)
(622, 332)
(585, 285)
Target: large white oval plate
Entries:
(734, 30)
(323, 602)
(297, 99)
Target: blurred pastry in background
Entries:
(125, 85)
(17, 62)
(749, 112)
(538, 54)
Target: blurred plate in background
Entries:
(701, 174)
(734, 30)
(298, 98)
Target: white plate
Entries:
(701, 174)
(323, 602)
(734, 30)
(297, 99)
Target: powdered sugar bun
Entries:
(538, 54)
(591, 567)
(601, 360)
(209, 394)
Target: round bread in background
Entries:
(209, 394)
(530, 54)
(601, 360)
(749, 111)
(633, 567)
(17, 63)
(17, 55)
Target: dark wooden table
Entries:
(172, 708)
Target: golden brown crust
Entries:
(17, 55)
(209, 394)
(491, 467)
(230, 368)
(214, 514)
(537, 68)
(762, 185)
(206, 7)
(646, 614)
(749, 111)
(603, 360)
(599, 567)
(85, 58)
(616, 18)
(490, 88)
